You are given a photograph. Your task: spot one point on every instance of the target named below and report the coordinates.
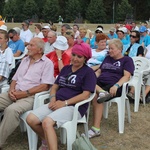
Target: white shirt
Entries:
(48, 48)
(26, 36)
(6, 56)
(40, 35)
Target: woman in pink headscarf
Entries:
(74, 84)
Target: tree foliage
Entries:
(124, 10)
(96, 12)
(30, 9)
(72, 10)
(51, 10)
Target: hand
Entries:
(56, 105)
(113, 90)
(59, 53)
(11, 95)
(19, 94)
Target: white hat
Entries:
(61, 43)
(46, 27)
(123, 29)
(17, 29)
(99, 29)
(3, 27)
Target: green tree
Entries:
(30, 9)
(96, 12)
(2, 3)
(124, 10)
(51, 10)
(73, 10)
(10, 9)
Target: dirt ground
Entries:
(135, 137)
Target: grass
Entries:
(135, 137)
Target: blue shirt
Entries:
(15, 46)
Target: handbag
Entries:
(82, 143)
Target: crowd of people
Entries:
(72, 64)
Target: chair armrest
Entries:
(125, 89)
(75, 115)
(38, 100)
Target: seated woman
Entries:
(58, 56)
(99, 54)
(134, 48)
(6, 58)
(74, 84)
(83, 32)
(115, 70)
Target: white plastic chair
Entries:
(67, 130)
(22, 55)
(142, 65)
(121, 101)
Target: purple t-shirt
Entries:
(74, 83)
(113, 70)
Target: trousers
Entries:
(12, 111)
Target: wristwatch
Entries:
(59, 59)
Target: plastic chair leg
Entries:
(137, 98)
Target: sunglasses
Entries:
(69, 33)
(132, 36)
(11, 37)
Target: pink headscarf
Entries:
(82, 49)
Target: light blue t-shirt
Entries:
(114, 36)
(145, 39)
(18, 45)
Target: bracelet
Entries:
(117, 85)
(59, 59)
(66, 103)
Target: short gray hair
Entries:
(40, 43)
(117, 43)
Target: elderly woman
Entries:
(83, 32)
(6, 58)
(99, 54)
(58, 56)
(115, 70)
(74, 84)
(134, 48)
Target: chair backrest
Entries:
(141, 64)
(22, 55)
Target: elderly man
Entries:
(16, 44)
(45, 31)
(35, 74)
(52, 36)
(25, 34)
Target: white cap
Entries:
(61, 43)
(123, 29)
(45, 27)
(3, 27)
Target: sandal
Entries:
(103, 96)
(93, 133)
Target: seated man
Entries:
(16, 44)
(25, 34)
(52, 36)
(35, 74)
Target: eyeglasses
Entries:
(132, 36)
